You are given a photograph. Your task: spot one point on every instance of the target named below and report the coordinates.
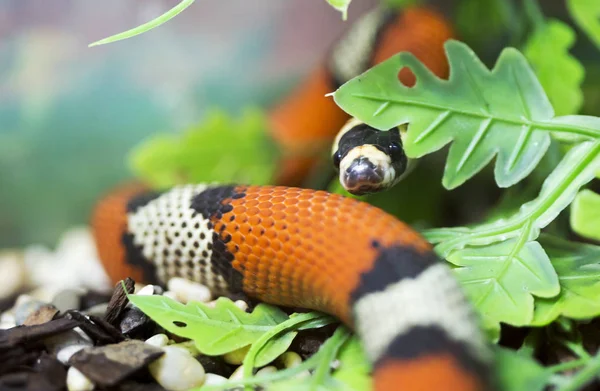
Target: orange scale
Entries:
(252, 210)
(239, 209)
(254, 221)
(259, 252)
(283, 237)
(279, 206)
(281, 256)
(264, 242)
(265, 212)
(277, 199)
(292, 217)
(305, 212)
(279, 215)
(251, 240)
(291, 201)
(304, 204)
(280, 225)
(246, 230)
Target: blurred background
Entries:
(69, 114)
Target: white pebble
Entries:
(238, 374)
(237, 356)
(75, 337)
(214, 380)
(148, 290)
(241, 304)
(64, 354)
(158, 340)
(170, 295)
(266, 370)
(177, 370)
(14, 275)
(77, 381)
(187, 291)
(7, 320)
(290, 359)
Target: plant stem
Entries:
(583, 377)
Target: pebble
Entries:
(68, 299)
(170, 295)
(266, 370)
(98, 310)
(241, 304)
(237, 356)
(14, 276)
(77, 381)
(290, 359)
(7, 320)
(177, 370)
(186, 291)
(158, 340)
(238, 374)
(61, 344)
(148, 290)
(214, 380)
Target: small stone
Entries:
(177, 370)
(28, 307)
(237, 356)
(13, 277)
(97, 310)
(187, 291)
(148, 290)
(170, 295)
(7, 320)
(63, 344)
(158, 340)
(76, 381)
(213, 380)
(266, 370)
(290, 359)
(136, 324)
(241, 304)
(238, 374)
(42, 315)
(65, 354)
(68, 299)
(109, 365)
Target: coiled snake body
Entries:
(305, 248)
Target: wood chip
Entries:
(112, 364)
(118, 301)
(41, 315)
(23, 334)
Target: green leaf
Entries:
(495, 17)
(354, 369)
(576, 169)
(578, 269)
(217, 330)
(146, 26)
(501, 279)
(517, 372)
(587, 15)
(585, 214)
(560, 73)
(341, 5)
(485, 113)
(220, 149)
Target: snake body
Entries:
(312, 249)
(305, 248)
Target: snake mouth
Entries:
(362, 177)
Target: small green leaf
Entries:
(587, 15)
(585, 214)
(146, 26)
(517, 372)
(217, 330)
(502, 278)
(560, 73)
(220, 149)
(578, 269)
(341, 5)
(354, 369)
(495, 17)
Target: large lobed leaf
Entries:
(578, 269)
(484, 113)
(585, 214)
(220, 329)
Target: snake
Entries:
(299, 247)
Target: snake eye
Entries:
(395, 151)
(337, 157)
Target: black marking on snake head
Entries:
(392, 265)
(212, 205)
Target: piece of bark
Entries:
(112, 364)
(118, 301)
(41, 315)
(23, 334)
